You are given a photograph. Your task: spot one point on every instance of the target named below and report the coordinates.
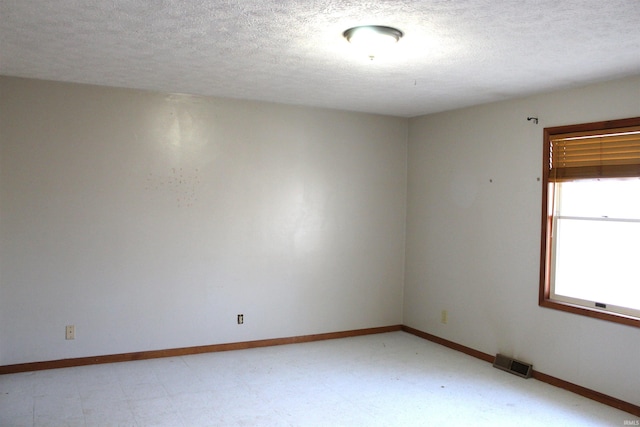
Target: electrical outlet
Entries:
(240, 319)
(70, 332)
(443, 317)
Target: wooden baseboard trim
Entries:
(155, 354)
(587, 392)
(455, 346)
(574, 388)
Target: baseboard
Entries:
(574, 388)
(455, 346)
(155, 354)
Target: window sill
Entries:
(591, 312)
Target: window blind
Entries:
(580, 155)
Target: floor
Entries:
(392, 379)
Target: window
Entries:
(591, 220)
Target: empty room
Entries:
(320, 213)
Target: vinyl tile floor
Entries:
(390, 379)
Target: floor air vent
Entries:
(516, 367)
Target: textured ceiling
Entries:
(454, 53)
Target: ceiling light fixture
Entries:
(372, 38)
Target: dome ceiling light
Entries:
(372, 38)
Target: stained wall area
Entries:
(149, 221)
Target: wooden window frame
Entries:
(544, 299)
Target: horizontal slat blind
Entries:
(615, 154)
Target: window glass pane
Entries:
(598, 261)
(612, 198)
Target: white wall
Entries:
(473, 237)
(149, 221)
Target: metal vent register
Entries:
(513, 366)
